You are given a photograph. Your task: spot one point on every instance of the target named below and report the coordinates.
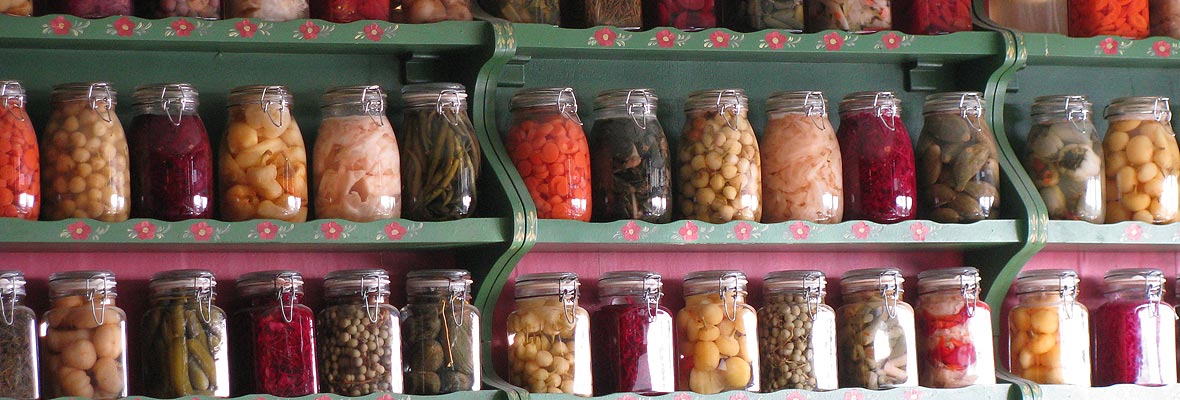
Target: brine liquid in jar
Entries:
(87, 174)
(954, 330)
(184, 337)
(20, 165)
(358, 335)
(629, 158)
(550, 151)
(273, 337)
(440, 333)
(172, 171)
(549, 328)
(1142, 161)
(801, 164)
(1064, 158)
(1044, 16)
(717, 335)
(633, 342)
(18, 340)
(720, 170)
(1049, 330)
(932, 17)
(958, 162)
(356, 171)
(84, 337)
(797, 333)
(1128, 19)
(879, 180)
(263, 162)
(873, 309)
(442, 154)
(1134, 330)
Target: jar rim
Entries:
(355, 94)
(543, 96)
(717, 98)
(431, 280)
(200, 279)
(431, 94)
(81, 90)
(255, 283)
(1047, 280)
(953, 101)
(356, 281)
(259, 94)
(715, 281)
(794, 280)
(547, 284)
(631, 282)
(1128, 278)
(156, 92)
(872, 278)
(946, 278)
(12, 282)
(625, 98)
(870, 100)
(11, 88)
(69, 282)
(797, 100)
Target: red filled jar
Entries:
(632, 341)
(1128, 19)
(344, 11)
(20, 168)
(273, 333)
(686, 15)
(203, 9)
(1134, 331)
(878, 159)
(954, 330)
(172, 171)
(932, 17)
(549, 149)
(89, 8)
(426, 11)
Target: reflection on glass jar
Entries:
(84, 337)
(1064, 158)
(717, 335)
(958, 162)
(632, 336)
(1044, 16)
(797, 333)
(18, 340)
(549, 336)
(20, 187)
(359, 335)
(879, 180)
(1142, 161)
(273, 337)
(356, 171)
(442, 155)
(1134, 330)
(549, 149)
(173, 165)
(440, 333)
(85, 147)
(263, 163)
(184, 338)
(954, 330)
(876, 331)
(720, 170)
(629, 161)
(1049, 331)
(801, 166)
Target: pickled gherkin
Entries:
(184, 336)
(441, 156)
(440, 333)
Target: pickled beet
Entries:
(90, 8)
(171, 168)
(879, 181)
(1129, 344)
(273, 356)
(344, 11)
(687, 15)
(628, 353)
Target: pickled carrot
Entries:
(553, 158)
(20, 172)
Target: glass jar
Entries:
(633, 336)
(173, 165)
(442, 157)
(184, 337)
(549, 328)
(427, 11)
(955, 330)
(18, 340)
(1049, 330)
(1142, 161)
(960, 168)
(84, 337)
(440, 336)
(263, 163)
(717, 339)
(546, 12)
(345, 11)
(1030, 15)
(19, 8)
(90, 9)
(756, 15)
(273, 337)
(267, 10)
(720, 166)
(1127, 19)
(874, 315)
(801, 161)
(359, 337)
(849, 15)
(85, 154)
(932, 17)
(549, 149)
(355, 169)
(629, 161)
(624, 14)
(1064, 158)
(1134, 330)
(20, 168)
(685, 15)
(797, 333)
(201, 9)
(1165, 18)
(879, 180)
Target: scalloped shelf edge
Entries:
(1099, 50)
(975, 392)
(1125, 235)
(479, 394)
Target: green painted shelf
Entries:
(1123, 236)
(977, 392)
(1105, 51)
(477, 395)
(1070, 392)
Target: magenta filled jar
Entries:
(172, 170)
(632, 336)
(274, 346)
(1134, 331)
(878, 159)
(89, 8)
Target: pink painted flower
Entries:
(775, 40)
(854, 395)
(833, 41)
(665, 39)
(1162, 49)
(800, 230)
(395, 231)
(60, 25)
(324, 397)
(267, 230)
(386, 396)
(246, 28)
(742, 230)
(79, 230)
(605, 37)
(627, 397)
(124, 27)
(689, 231)
(374, 32)
(1133, 231)
(682, 396)
(1109, 46)
(309, 30)
(891, 40)
(720, 39)
(182, 27)
(201, 231)
(145, 230)
(630, 231)
(739, 396)
(913, 394)
(861, 230)
(919, 231)
(796, 396)
(331, 230)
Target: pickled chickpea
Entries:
(720, 168)
(87, 150)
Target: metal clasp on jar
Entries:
(890, 292)
(652, 295)
(568, 106)
(105, 97)
(815, 113)
(728, 305)
(969, 287)
(972, 109)
(814, 295)
(1153, 284)
(17, 97)
(727, 108)
(98, 292)
(884, 106)
(1068, 290)
(1162, 110)
(185, 99)
(373, 103)
(457, 299)
(1075, 112)
(8, 302)
(449, 105)
(286, 307)
(370, 296)
(644, 108)
(266, 104)
(203, 293)
(567, 291)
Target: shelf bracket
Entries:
(421, 68)
(513, 73)
(928, 77)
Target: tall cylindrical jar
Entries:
(1030, 15)
(20, 186)
(1127, 19)
(440, 333)
(263, 162)
(801, 165)
(266, 10)
(849, 15)
(359, 336)
(720, 170)
(932, 17)
(345, 11)
(1134, 330)
(958, 162)
(879, 180)
(18, 332)
(549, 328)
(184, 343)
(1064, 158)
(442, 155)
(90, 9)
(629, 158)
(273, 337)
(633, 342)
(84, 337)
(954, 330)
(1049, 330)
(797, 333)
(876, 337)
(85, 155)
(717, 336)
(1142, 161)
(546, 12)
(549, 149)
(172, 171)
(355, 165)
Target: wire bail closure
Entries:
(652, 295)
(969, 287)
(814, 295)
(724, 109)
(203, 293)
(886, 110)
(811, 110)
(282, 104)
(971, 110)
(568, 109)
(167, 102)
(10, 98)
(889, 292)
(644, 108)
(98, 291)
(1076, 115)
(286, 307)
(567, 291)
(372, 104)
(457, 298)
(1153, 284)
(370, 296)
(1069, 294)
(1164, 113)
(732, 288)
(8, 302)
(448, 100)
(105, 97)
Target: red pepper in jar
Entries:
(933, 17)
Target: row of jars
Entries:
(85, 167)
(803, 169)
(1135, 19)
(356, 345)
(339, 11)
(718, 342)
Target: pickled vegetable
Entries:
(189, 355)
(91, 9)
(685, 15)
(1142, 168)
(263, 166)
(932, 17)
(1096, 17)
(1165, 18)
(360, 351)
(441, 164)
(356, 171)
(267, 10)
(849, 15)
(273, 337)
(546, 12)
(427, 11)
(83, 349)
(1064, 160)
(879, 179)
(85, 154)
(173, 165)
(1049, 343)
(629, 160)
(541, 335)
(958, 168)
(204, 9)
(551, 154)
(345, 11)
(718, 347)
(20, 8)
(878, 350)
(771, 14)
(802, 166)
(20, 168)
(720, 170)
(955, 348)
(797, 341)
(441, 352)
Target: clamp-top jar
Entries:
(551, 331)
(20, 192)
(184, 334)
(84, 337)
(1064, 158)
(797, 333)
(879, 180)
(274, 337)
(85, 154)
(549, 149)
(442, 154)
(440, 333)
(1049, 330)
(958, 162)
(1142, 161)
(873, 310)
(955, 330)
(1134, 330)
(358, 338)
(263, 162)
(720, 170)
(629, 161)
(718, 342)
(18, 340)
(633, 348)
(355, 169)
(801, 163)
(172, 171)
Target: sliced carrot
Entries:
(559, 185)
(550, 152)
